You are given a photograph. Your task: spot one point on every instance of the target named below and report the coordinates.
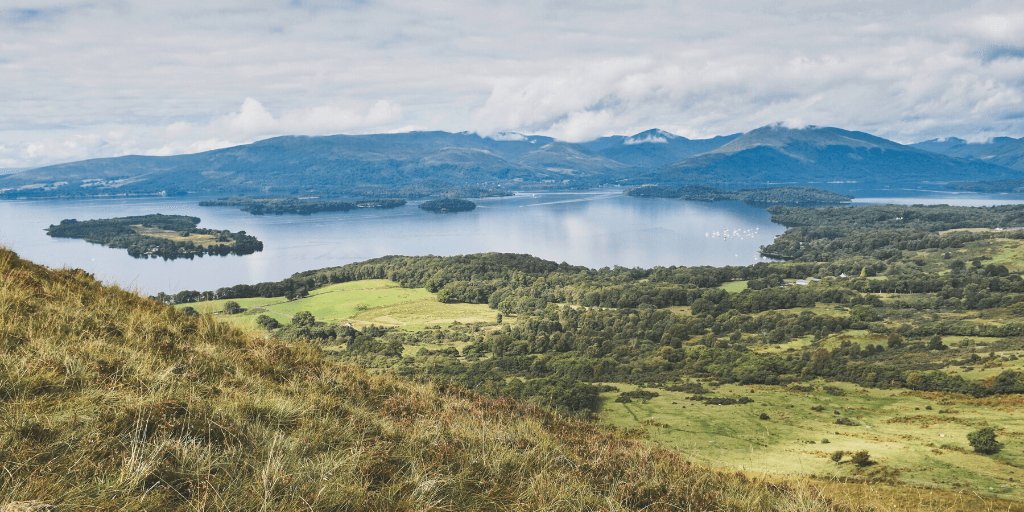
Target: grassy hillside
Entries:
(913, 438)
(112, 402)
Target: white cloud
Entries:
(112, 77)
(649, 139)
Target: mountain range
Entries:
(431, 163)
(1004, 151)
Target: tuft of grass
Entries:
(109, 401)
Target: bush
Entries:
(267, 322)
(837, 456)
(983, 440)
(304, 319)
(845, 421)
(764, 416)
(640, 394)
(825, 441)
(861, 458)
(190, 311)
(894, 341)
(232, 308)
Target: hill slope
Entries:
(817, 155)
(112, 402)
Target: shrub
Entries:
(861, 458)
(267, 322)
(190, 311)
(232, 308)
(834, 391)
(845, 421)
(894, 341)
(818, 408)
(983, 440)
(304, 319)
(825, 441)
(764, 416)
(641, 394)
(837, 456)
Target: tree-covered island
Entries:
(165, 236)
(448, 205)
(281, 206)
(763, 197)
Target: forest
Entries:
(883, 231)
(281, 206)
(761, 197)
(158, 236)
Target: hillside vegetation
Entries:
(109, 401)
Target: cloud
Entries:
(253, 122)
(112, 77)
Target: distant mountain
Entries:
(1004, 151)
(572, 160)
(653, 148)
(434, 163)
(819, 155)
(388, 164)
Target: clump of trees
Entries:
(281, 206)
(763, 197)
(448, 205)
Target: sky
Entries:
(88, 79)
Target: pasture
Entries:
(361, 303)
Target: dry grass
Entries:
(112, 402)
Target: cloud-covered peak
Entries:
(507, 136)
(654, 136)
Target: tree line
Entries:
(281, 206)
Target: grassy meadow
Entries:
(913, 438)
(361, 303)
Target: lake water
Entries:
(591, 228)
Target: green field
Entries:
(361, 303)
(734, 286)
(903, 437)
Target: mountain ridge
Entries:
(414, 164)
(778, 154)
(1004, 151)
